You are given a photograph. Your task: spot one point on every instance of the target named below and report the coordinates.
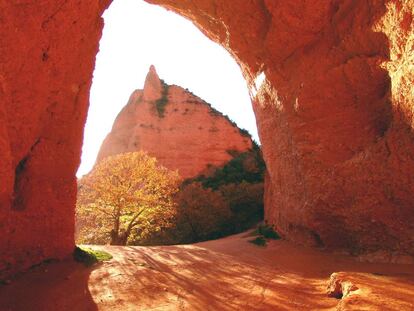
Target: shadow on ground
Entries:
(49, 287)
(226, 274)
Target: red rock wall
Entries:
(47, 55)
(189, 136)
(334, 114)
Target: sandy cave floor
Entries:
(226, 274)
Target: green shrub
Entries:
(263, 233)
(163, 101)
(89, 256)
(267, 232)
(259, 241)
(247, 167)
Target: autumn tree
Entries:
(122, 193)
(224, 201)
(202, 213)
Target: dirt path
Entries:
(227, 274)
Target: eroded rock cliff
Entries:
(178, 128)
(46, 62)
(330, 82)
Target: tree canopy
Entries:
(122, 194)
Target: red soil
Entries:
(226, 274)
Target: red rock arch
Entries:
(334, 112)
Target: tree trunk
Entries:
(118, 239)
(116, 236)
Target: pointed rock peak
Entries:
(153, 85)
(152, 70)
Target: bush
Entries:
(202, 214)
(163, 101)
(205, 214)
(244, 167)
(245, 201)
(268, 232)
(89, 257)
(259, 241)
(264, 232)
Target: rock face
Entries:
(44, 90)
(332, 88)
(330, 82)
(179, 129)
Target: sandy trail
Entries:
(226, 274)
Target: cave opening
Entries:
(209, 136)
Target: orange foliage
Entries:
(123, 193)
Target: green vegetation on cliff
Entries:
(246, 167)
(163, 101)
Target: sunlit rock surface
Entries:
(47, 55)
(331, 82)
(178, 128)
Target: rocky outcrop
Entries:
(46, 62)
(332, 89)
(171, 124)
